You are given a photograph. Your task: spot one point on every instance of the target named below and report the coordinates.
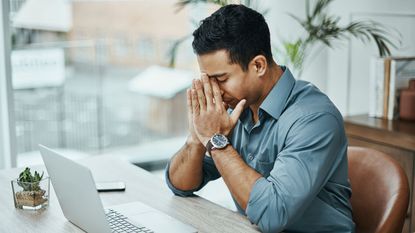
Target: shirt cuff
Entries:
(256, 208)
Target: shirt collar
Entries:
(276, 99)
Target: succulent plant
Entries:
(28, 181)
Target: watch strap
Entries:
(209, 147)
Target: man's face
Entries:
(235, 84)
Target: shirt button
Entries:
(250, 157)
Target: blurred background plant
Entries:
(320, 29)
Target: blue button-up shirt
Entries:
(300, 148)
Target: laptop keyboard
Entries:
(118, 223)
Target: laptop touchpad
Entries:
(144, 215)
(159, 222)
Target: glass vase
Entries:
(31, 195)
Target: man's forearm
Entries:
(238, 176)
(186, 166)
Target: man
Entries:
(285, 163)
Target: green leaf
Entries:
(28, 181)
(294, 52)
(324, 28)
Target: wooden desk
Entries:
(140, 186)
(396, 138)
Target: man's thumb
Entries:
(237, 111)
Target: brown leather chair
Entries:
(380, 191)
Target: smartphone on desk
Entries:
(109, 186)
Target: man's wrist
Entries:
(215, 152)
(190, 141)
(205, 141)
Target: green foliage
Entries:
(320, 27)
(294, 53)
(324, 28)
(28, 181)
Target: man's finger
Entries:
(189, 100)
(207, 88)
(195, 103)
(237, 111)
(225, 106)
(216, 93)
(200, 95)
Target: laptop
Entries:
(77, 195)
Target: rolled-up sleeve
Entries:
(311, 153)
(210, 172)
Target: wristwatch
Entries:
(217, 141)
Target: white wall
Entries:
(343, 73)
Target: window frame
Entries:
(8, 153)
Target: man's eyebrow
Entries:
(216, 75)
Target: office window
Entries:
(145, 49)
(78, 70)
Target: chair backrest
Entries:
(380, 191)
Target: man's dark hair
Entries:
(239, 30)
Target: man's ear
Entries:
(259, 65)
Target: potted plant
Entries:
(30, 191)
(322, 29)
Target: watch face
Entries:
(219, 141)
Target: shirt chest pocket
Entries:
(263, 161)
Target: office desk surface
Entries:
(140, 186)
